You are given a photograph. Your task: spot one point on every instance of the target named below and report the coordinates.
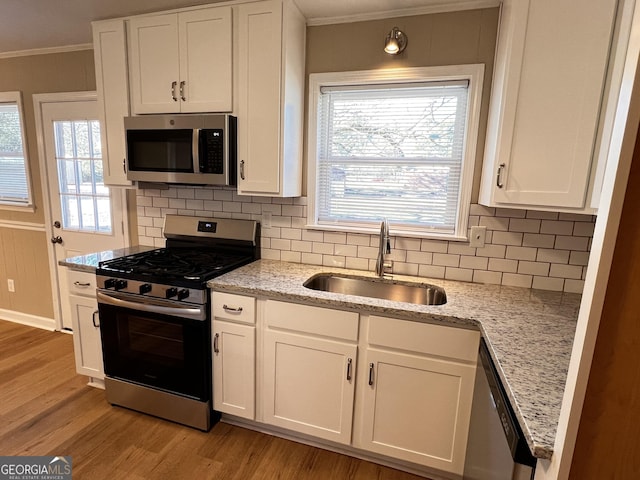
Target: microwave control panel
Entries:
(212, 150)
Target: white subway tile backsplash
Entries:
(566, 271)
(521, 253)
(572, 243)
(482, 276)
(533, 268)
(495, 223)
(459, 274)
(552, 256)
(517, 280)
(446, 259)
(502, 265)
(556, 227)
(547, 283)
(538, 240)
(432, 271)
(527, 248)
(507, 238)
(434, 246)
(473, 262)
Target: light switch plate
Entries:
(477, 236)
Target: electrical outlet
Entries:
(478, 235)
(10, 285)
(266, 219)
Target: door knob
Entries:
(56, 224)
(56, 239)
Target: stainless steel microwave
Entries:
(190, 149)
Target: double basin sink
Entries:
(417, 293)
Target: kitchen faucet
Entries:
(383, 267)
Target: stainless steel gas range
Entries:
(155, 317)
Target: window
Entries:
(397, 144)
(14, 178)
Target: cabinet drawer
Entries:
(236, 308)
(314, 320)
(81, 283)
(434, 340)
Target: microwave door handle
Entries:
(195, 150)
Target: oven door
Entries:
(159, 344)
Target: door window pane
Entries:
(84, 197)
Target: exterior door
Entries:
(86, 215)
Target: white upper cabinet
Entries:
(110, 55)
(271, 48)
(181, 62)
(550, 71)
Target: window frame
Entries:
(16, 97)
(473, 73)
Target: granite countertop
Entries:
(529, 332)
(89, 262)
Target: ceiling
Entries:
(36, 24)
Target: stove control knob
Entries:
(171, 292)
(120, 284)
(145, 288)
(182, 294)
(110, 283)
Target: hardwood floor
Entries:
(47, 409)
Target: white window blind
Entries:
(14, 188)
(392, 151)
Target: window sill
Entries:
(17, 208)
(393, 232)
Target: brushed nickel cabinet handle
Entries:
(93, 319)
(499, 183)
(215, 343)
(371, 367)
(173, 91)
(227, 308)
(124, 165)
(82, 284)
(349, 366)
(242, 169)
(184, 99)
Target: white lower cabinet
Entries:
(309, 385)
(234, 368)
(86, 336)
(309, 369)
(234, 354)
(391, 387)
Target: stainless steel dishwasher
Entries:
(497, 449)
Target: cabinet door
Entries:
(205, 60)
(234, 369)
(309, 385)
(86, 336)
(154, 64)
(112, 86)
(259, 96)
(417, 408)
(547, 91)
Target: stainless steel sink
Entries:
(421, 294)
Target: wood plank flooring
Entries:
(47, 409)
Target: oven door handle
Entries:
(185, 312)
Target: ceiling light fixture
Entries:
(396, 42)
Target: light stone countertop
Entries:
(89, 262)
(529, 332)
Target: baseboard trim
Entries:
(28, 319)
(426, 472)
